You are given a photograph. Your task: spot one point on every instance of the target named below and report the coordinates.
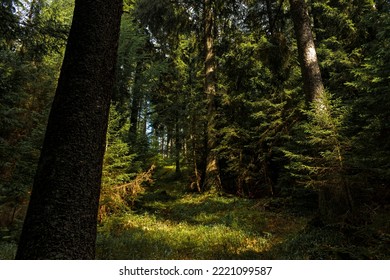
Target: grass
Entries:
(194, 226)
(169, 223)
(166, 222)
(7, 250)
(209, 226)
(8, 240)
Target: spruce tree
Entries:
(335, 198)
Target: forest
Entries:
(195, 129)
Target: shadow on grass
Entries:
(192, 226)
(169, 224)
(182, 243)
(207, 210)
(330, 244)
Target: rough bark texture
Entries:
(210, 173)
(61, 218)
(312, 81)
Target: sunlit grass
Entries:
(210, 226)
(192, 226)
(166, 222)
(145, 237)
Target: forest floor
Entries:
(168, 222)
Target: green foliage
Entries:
(118, 161)
(119, 168)
(259, 104)
(368, 125)
(316, 147)
(30, 58)
(268, 143)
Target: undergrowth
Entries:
(166, 222)
(193, 226)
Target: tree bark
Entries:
(312, 81)
(62, 214)
(135, 105)
(178, 146)
(210, 174)
(334, 200)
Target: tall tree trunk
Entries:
(135, 105)
(312, 81)
(177, 145)
(334, 200)
(62, 214)
(210, 174)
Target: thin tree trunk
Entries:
(177, 146)
(162, 144)
(135, 105)
(62, 214)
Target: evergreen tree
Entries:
(334, 197)
(368, 119)
(27, 82)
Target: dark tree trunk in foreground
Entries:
(335, 199)
(61, 218)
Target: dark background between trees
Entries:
(254, 98)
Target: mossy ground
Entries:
(167, 222)
(193, 226)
